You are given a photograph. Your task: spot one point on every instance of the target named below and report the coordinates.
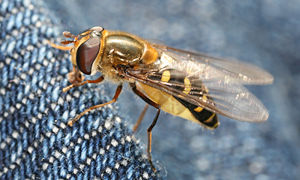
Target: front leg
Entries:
(98, 80)
(75, 76)
(117, 93)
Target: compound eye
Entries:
(86, 54)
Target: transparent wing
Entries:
(213, 87)
(207, 67)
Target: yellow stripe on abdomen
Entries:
(166, 76)
(199, 109)
(187, 86)
(167, 102)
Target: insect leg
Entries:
(117, 93)
(75, 76)
(149, 133)
(141, 95)
(65, 42)
(141, 117)
(64, 48)
(67, 34)
(149, 130)
(98, 80)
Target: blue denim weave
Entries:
(35, 140)
(36, 143)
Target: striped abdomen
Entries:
(176, 105)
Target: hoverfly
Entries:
(190, 85)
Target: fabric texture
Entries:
(35, 140)
(36, 143)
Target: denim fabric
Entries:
(35, 141)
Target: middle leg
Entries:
(149, 130)
(141, 117)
